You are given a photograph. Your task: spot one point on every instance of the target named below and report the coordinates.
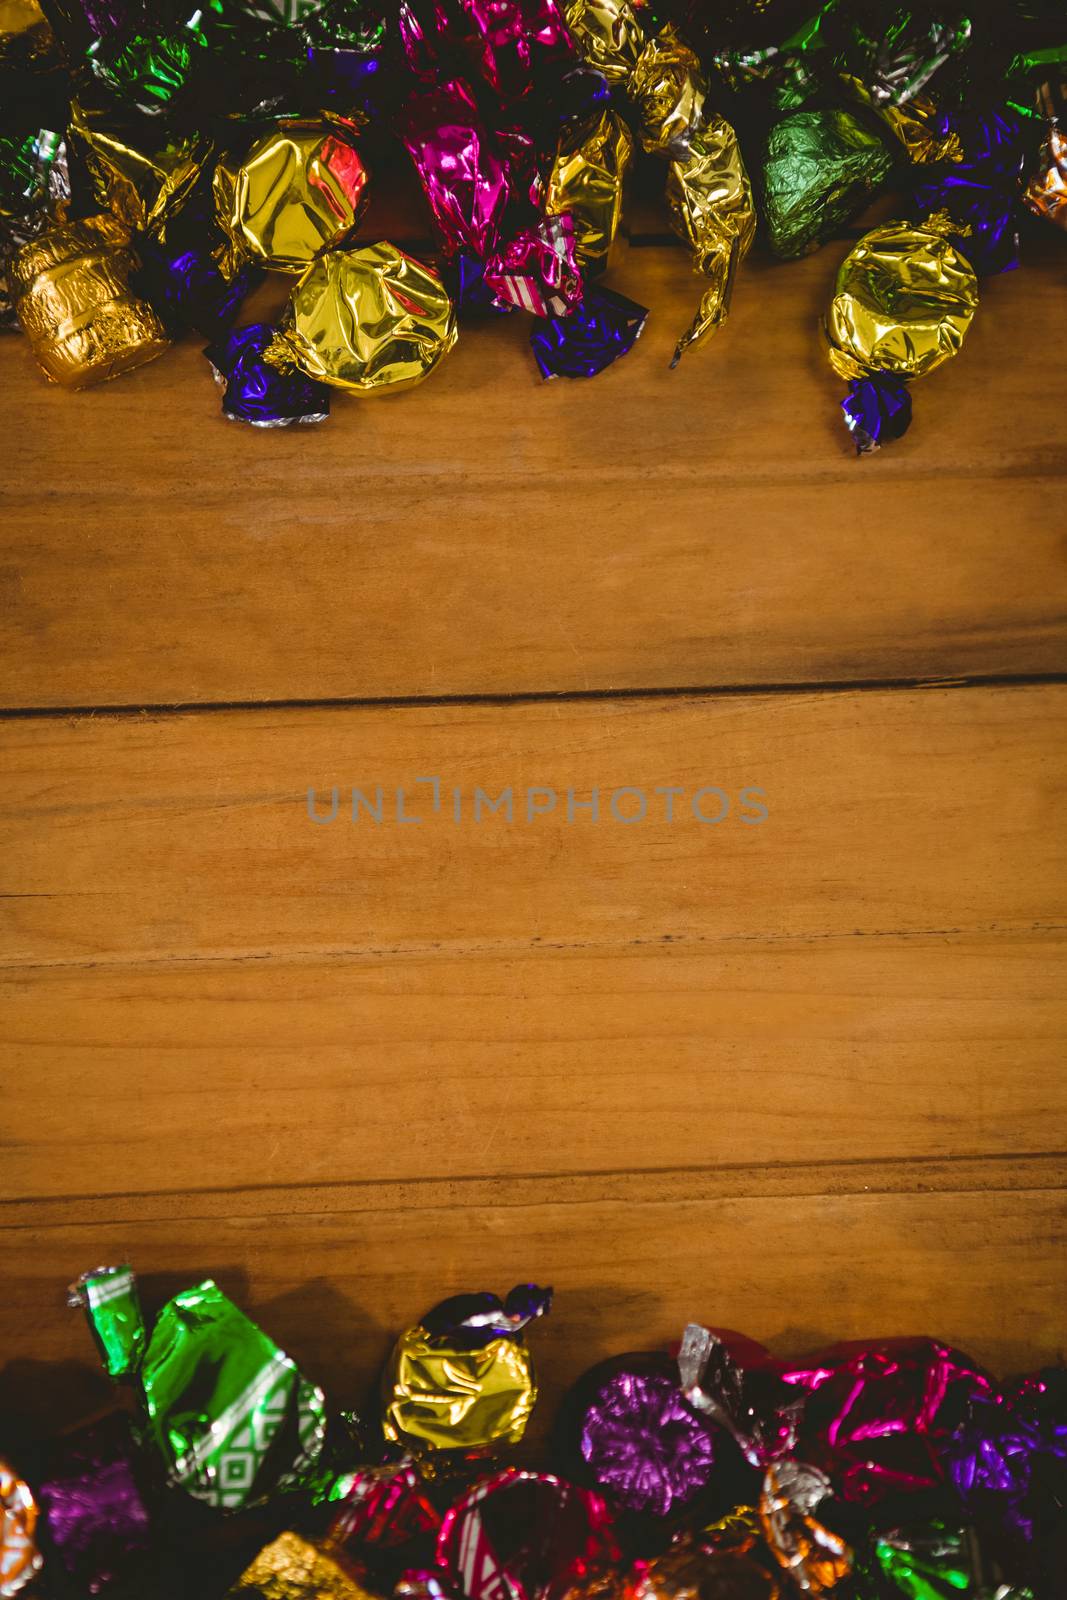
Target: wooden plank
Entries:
(217, 992)
(489, 534)
(983, 1270)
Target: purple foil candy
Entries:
(537, 269)
(602, 328)
(469, 1321)
(258, 393)
(644, 1446)
(96, 1519)
(463, 173)
(187, 288)
(1008, 1459)
(982, 191)
(468, 288)
(876, 409)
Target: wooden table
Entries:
(803, 1076)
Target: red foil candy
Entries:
(876, 1417)
(463, 172)
(385, 1507)
(524, 1536)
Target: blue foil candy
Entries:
(258, 393)
(982, 191)
(187, 288)
(876, 409)
(603, 327)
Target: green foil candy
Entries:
(932, 1562)
(820, 169)
(229, 1413)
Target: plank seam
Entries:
(1017, 680)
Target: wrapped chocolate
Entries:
(524, 1535)
(143, 185)
(980, 190)
(462, 170)
(260, 392)
(711, 208)
(299, 192)
(816, 1558)
(366, 320)
(536, 269)
(924, 130)
(820, 168)
(1046, 189)
(932, 1562)
(903, 302)
(590, 338)
(227, 1412)
(631, 1433)
(737, 1384)
(691, 1569)
(295, 1568)
(462, 1378)
(182, 278)
(709, 197)
(20, 1558)
(385, 1507)
(94, 1508)
(71, 288)
(586, 182)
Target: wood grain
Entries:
(488, 534)
(985, 1269)
(881, 958)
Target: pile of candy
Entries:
(898, 1470)
(157, 156)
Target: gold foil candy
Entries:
(72, 293)
(298, 193)
(915, 125)
(668, 88)
(587, 180)
(367, 319)
(903, 301)
(293, 1568)
(709, 197)
(142, 187)
(607, 36)
(442, 1397)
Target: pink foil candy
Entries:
(876, 1417)
(537, 269)
(463, 172)
(514, 38)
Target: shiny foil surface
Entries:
(608, 36)
(815, 1557)
(367, 320)
(439, 1396)
(1046, 192)
(259, 392)
(903, 301)
(586, 180)
(668, 88)
(229, 1415)
(460, 164)
(93, 1506)
(293, 1568)
(20, 1559)
(820, 168)
(644, 1445)
(143, 187)
(71, 288)
(690, 1570)
(709, 198)
(523, 1536)
(590, 338)
(300, 191)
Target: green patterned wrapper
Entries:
(820, 168)
(228, 1412)
(110, 1300)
